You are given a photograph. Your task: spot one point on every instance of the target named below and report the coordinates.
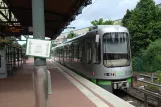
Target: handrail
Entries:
(140, 80)
(146, 92)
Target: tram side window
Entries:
(75, 52)
(72, 55)
(60, 53)
(80, 53)
(71, 52)
(0, 61)
(89, 52)
(56, 52)
(68, 53)
(64, 52)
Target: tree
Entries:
(152, 57)
(127, 18)
(102, 22)
(71, 35)
(144, 24)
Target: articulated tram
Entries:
(102, 55)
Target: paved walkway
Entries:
(68, 89)
(17, 90)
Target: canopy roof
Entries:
(58, 15)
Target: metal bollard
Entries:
(49, 83)
(145, 100)
(159, 102)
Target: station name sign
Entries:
(16, 28)
(38, 48)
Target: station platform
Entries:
(68, 89)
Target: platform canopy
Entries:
(17, 15)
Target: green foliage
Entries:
(144, 24)
(102, 22)
(71, 35)
(158, 75)
(118, 23)
(153, 88)
(126, 21)
(90, 28)
(152, 57)
(135, 63)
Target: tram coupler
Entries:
(120, 85)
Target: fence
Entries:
(149, 93)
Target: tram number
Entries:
(107, 74)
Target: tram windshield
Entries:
(116, 51)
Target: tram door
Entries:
(88, 55)
(3, 67)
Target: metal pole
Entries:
(40, 75)
(18, 56)
(159, 102)
(145, 100)
(21, 57)
(138, 63)
(152, 77)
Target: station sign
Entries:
(38, 48)
(16, 29)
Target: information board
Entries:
(38, 48)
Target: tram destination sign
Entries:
(38, 48)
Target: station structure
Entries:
(41, 82)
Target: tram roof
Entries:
(58, 14)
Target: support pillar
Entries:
(40, 76)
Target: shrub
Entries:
(152, 57)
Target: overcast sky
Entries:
(106, 9)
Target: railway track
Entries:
(136, 98)
(137, 102)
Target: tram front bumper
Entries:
(121, 84)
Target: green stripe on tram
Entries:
(104, 82)
(94, 81)
(129, 80)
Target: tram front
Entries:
(117, 57)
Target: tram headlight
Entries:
(128, 72)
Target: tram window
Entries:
(71, 56)
(75, 52)
(60, 53)
(94, 55)
(68, 53)
(80, 54)
(0, 61)
(65, 54)
(89, 52)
